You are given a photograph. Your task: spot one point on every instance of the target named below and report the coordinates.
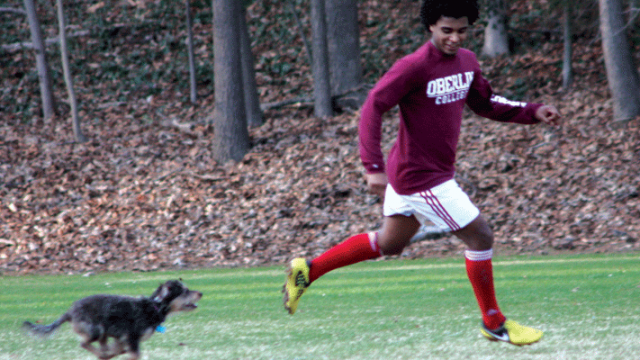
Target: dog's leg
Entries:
(87, 345)
(108, 351)
(134, 348)
(134, 355)
(104, 346)
(90, 334)
(115, 349)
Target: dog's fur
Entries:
(127, 320)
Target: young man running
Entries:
(431, 87)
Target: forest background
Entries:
(145, 191)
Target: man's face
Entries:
(448, 34)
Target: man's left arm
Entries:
(484, 102)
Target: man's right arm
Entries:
(386, 94)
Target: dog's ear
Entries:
(161, 293)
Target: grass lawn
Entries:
(588, 306)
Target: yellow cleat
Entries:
(296, 283)
(513, 333)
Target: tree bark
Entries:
(231, 136)
(622, 74)
(320, 66)
(249, 85)
(496, 39)
(192, 65)
(305, 41)
(64, 51)
(567, 68)
(42, 65)
(343, 40)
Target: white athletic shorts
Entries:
(445, 205)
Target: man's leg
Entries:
(478, 236)
(357, 248)
(395, 234)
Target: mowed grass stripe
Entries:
(399, 265)
(265, 289)
(568, 261)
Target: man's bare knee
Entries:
(477, 235)
(396, 233)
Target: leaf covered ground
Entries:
(145, 192)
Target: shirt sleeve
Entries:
(484, 102)
(386, 94)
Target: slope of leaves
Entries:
(145, 193)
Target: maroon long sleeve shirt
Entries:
(431, 89)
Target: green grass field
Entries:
(588, 306)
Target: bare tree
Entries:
(320, 66)
(44, 74)
(305, 41)
(622, 74)
(251, 100)
(496, 39)
(343, 39)
(231, 136)
(567, 68)
(192, 64)
(64, 50)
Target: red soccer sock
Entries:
(480, 272)
(355, 249)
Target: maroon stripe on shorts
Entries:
(437, 207)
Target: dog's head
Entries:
(176, 296)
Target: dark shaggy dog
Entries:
(127, 320)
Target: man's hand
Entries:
(377, 183)
(548, 114)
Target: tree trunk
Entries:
(231, 136)
(622, 74)
(343, 39)
(41, 60)
(320, 66)
(192, 65)
(496, 39)
(567, 68)
(64, 51)
(305, 41)
(251, 100)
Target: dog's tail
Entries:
(42, 330)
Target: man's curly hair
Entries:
(432, 10)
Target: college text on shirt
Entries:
(450, 88)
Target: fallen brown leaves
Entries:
(545, 189)
(152, 197)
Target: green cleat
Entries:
(296, 283)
